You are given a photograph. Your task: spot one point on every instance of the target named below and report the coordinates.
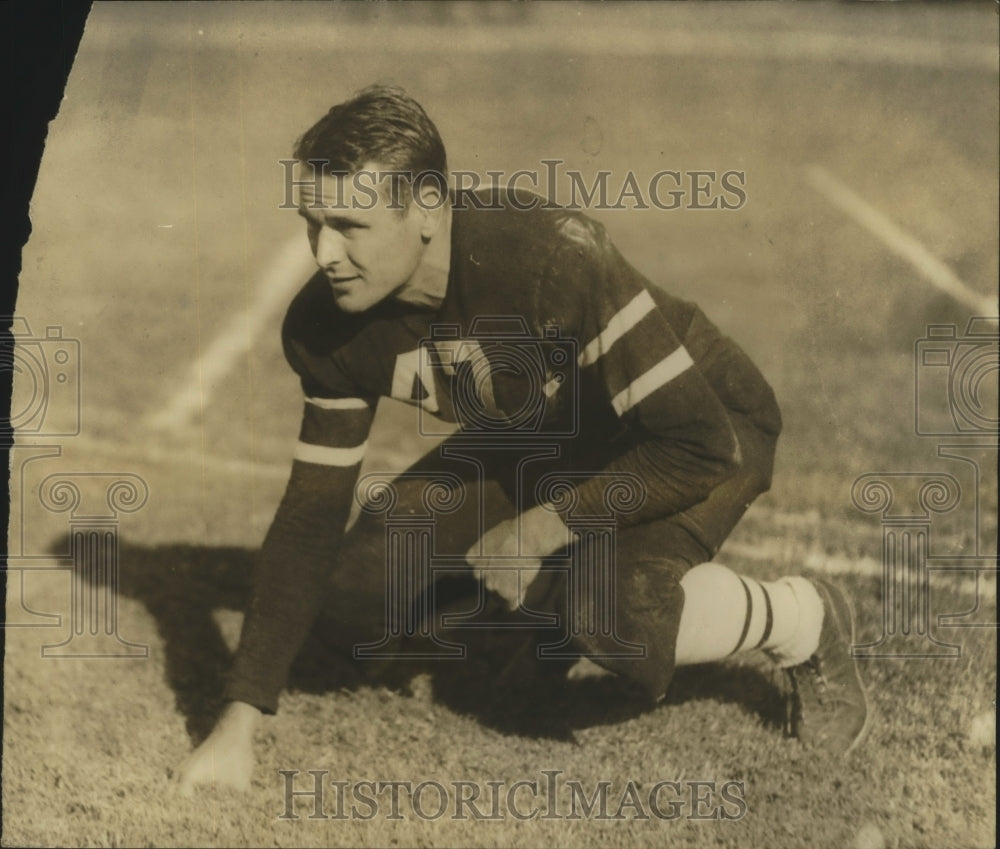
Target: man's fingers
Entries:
(189, 775)
(504, 585)
(199, 768)
(234, 777)
(510, 582)
(184, 782)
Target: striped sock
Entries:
(803, 640)
(725, 613)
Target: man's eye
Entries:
(345, 228)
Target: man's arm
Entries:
(289, 583)
(299, 551)
(633, 353)
(680, 441)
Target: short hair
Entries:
(380, 124)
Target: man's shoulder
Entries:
(514, 252)
(529, 242)
(503, 213)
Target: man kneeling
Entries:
(565, 371)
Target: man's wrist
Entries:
(241, 715)
(543, 530)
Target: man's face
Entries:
(366, 250)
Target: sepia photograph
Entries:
(505, 424)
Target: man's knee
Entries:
(757, 449)
(637, 640)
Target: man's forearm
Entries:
(673, 478)
(290, 582)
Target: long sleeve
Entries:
(299, 552)
(300, 548)
(682, 444)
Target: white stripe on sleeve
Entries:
(338, 403)
(620, 324)
(659, 375)
(322, 455)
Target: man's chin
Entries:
(352, 302)
(348, 303)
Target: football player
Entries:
(564, 373)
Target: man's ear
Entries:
(430, 201)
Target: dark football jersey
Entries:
(545, 331)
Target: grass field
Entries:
(157, 235)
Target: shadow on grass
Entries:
(182, 585)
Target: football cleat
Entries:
(828, 709)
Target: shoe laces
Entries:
(828, 695)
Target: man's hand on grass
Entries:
(225, 758)
(510, 553)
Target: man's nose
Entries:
(330, 249)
